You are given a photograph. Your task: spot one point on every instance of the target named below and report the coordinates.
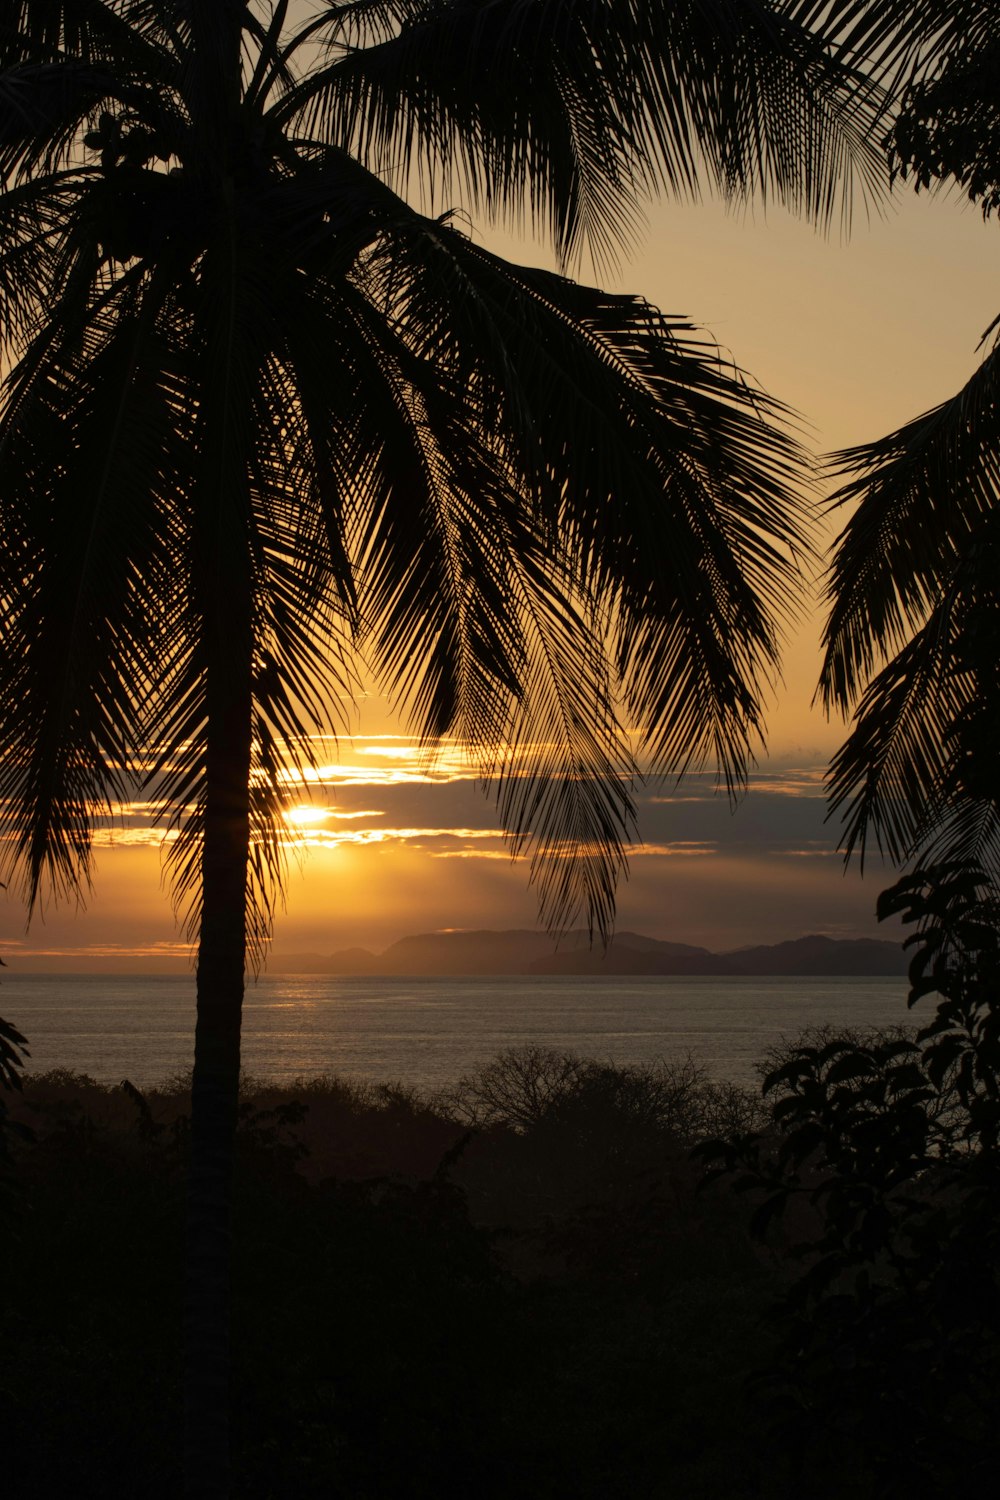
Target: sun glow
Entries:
(306, 816)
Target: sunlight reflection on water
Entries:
(427, 1032)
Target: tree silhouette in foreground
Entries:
(260, 414)
(880, 1168)
(913, 635)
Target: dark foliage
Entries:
(911, 639)
(443, 1318)
(882, 1162)
(13, 1055)
(949, 126)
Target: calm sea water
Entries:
(427, 1032)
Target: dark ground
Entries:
(545, 1307)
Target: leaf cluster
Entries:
(911, 642)
(13, 1055)
(881, 1159)
(263, 420)
(957, 958)
(911, 637)
(524, 1088)
(387, 1345)
(948, 126)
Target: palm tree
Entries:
(260, 414)
(913, 635)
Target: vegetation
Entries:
(13, 1054)
(548, 1307)
(882, 1158)
(912, 637)
(260, 414)
(890, 1336)
(529, 1284)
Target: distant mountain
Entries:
(471, 952)
(522, 951)
(347, 961)
(822, 955)
(631, 953)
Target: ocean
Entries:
(428, 1032)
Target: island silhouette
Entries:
(523, 951)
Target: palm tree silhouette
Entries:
(260, 414)
(913, 634)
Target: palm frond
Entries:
(42, 110)
(922, 494)
(451, 570)
(532, 425)
(896, 754)
(83, 562)
(948, 124)
(545, 509)
(43, 31)
(62, 64)
(32, 241)
(895, 38)
(967, 831)
(573, 107)
(265, 503)
(566, 778)
(916, 777)
(663, 478)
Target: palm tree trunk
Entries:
(226, 600)
(215, 1082)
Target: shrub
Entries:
(524, 1086)
(889, 1332)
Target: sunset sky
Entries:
(858, 336)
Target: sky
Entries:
(858, 335)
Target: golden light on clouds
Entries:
(859, 338)
(334, 838)
(378, 862)
(384, 760)
(305, 816)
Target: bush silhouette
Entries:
(402, 1334)
(882, 1156)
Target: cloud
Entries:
(683, 848)
(141, 836)
(773, 817)
(388, 849)
(776, 780)
(383, 760)
(165, 950)
(506, 855)
(333, 838)
(409, 801)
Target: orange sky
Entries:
(858, 337)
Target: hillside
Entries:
(522, 951)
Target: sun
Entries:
(305, 816)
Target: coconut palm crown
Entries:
(913, 632)
(261, 413)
